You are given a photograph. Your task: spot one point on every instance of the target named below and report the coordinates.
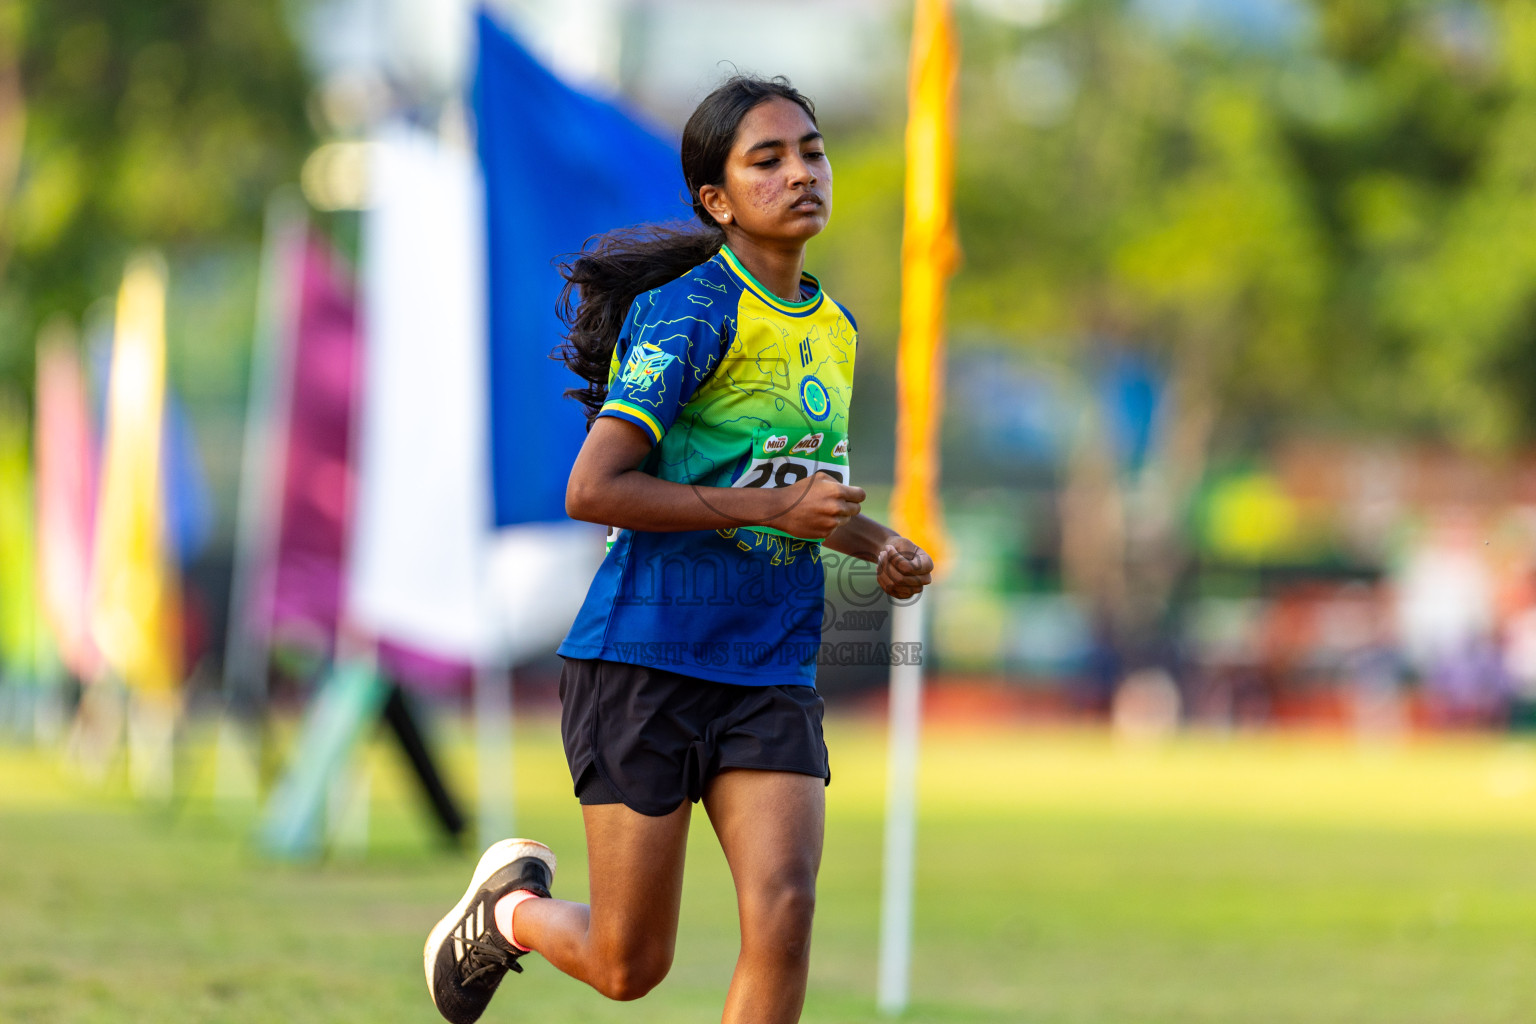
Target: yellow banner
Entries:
(135, 593)
(17, 627)
(930, 252)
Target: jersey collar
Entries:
(802, 308)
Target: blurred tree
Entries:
(1332, 223)
(1428, 153)
(1162, 211)
(1123, 190)
(156, 122)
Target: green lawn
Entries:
(1061, 879)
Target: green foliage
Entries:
(1460, 291)
(157, 122)
(1338, 228)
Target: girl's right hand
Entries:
(817, 506)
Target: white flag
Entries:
(417, 566)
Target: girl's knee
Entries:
(779, 916)
(633, 973)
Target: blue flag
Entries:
(559, 167)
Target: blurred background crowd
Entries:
(1241, 391)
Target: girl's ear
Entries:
(714, 200)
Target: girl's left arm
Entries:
(904, 568)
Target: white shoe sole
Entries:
(496, 857)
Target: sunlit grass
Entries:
(1062, 878)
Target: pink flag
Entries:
(66, 461)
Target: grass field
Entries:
(1061, 879)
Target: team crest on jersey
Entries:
(807, 444)
(644, 366)
(814, 398)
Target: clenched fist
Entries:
(816, 506)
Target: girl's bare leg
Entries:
(622, 942)
(771, 826)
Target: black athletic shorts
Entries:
(650, 739)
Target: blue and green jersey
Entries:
(735, 387)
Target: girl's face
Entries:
(778, 182)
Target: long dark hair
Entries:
(613, 269)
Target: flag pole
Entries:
(896, 894)
(247, 638)
(264, 446)
(493, 749)
(929, 253)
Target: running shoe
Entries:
(466, 955)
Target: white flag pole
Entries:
(493, 751)
(262, 462)
(896, 893)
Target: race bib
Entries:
(783, 458)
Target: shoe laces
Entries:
(485, 959)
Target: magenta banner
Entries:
(318, 479)
(317, 476)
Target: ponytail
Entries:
(601, 282)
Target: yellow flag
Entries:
(135, 594)
(929, 254)
(17, 632)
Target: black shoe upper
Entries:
(475, 956)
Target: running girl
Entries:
(719, 376)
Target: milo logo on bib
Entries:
(807, 444)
